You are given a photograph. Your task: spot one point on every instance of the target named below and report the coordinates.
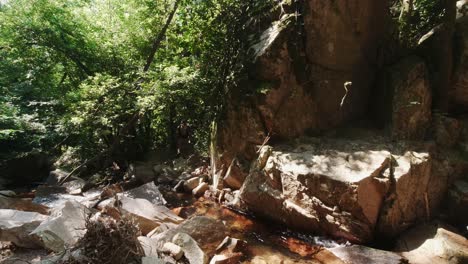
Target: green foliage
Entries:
(417, 18)
(71, 71)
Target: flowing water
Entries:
(267, 242)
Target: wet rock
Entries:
(22, 205)
(457, 198)
(173, 249)
(64, 227)
(147, 215)
(364, 255)
(147, 191)
(228, 258)
(200, 189)
(16, 226)
(231, 245)
(192, 251)
(206, 231)
(342, 188)
(432, 243)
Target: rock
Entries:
(206, 231)
(192, 183)
(74, 186)
(147, 215)
(16, 226)
(192, 251)
(179, 188)
(406, 99)
(459, 92)
(173, 249)
(142, 172)
(150, 246)
(147, 191)
(363, 255)
(22, 205)
(228, 258)
(295, 89)
(457, 199)
(200, 189)
(432, 243)
(231, 245)
(56, 176)
(234, 177)
(64, 227)
(152, 260)
(343, 188)
(447, 131)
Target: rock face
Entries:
(342, 188)
(300, 73)
(459, 92)
(405, 99)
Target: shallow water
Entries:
(267, 242)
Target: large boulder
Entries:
(310, 72)
(433, 243)
(146, 214)
(342, 188)
(64, 227)
(16, 226)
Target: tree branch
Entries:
(160, 37)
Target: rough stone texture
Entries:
(147, 215)
(405, 99)
(16, 226)
(432, 243)
(64, 227)
(364, 255)
(447, 130)
(206, 231)
(298, 74)
(457, 202)
(235, 176)
(459, 92)
(343, 188)
(149, 192)
(191, 249)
